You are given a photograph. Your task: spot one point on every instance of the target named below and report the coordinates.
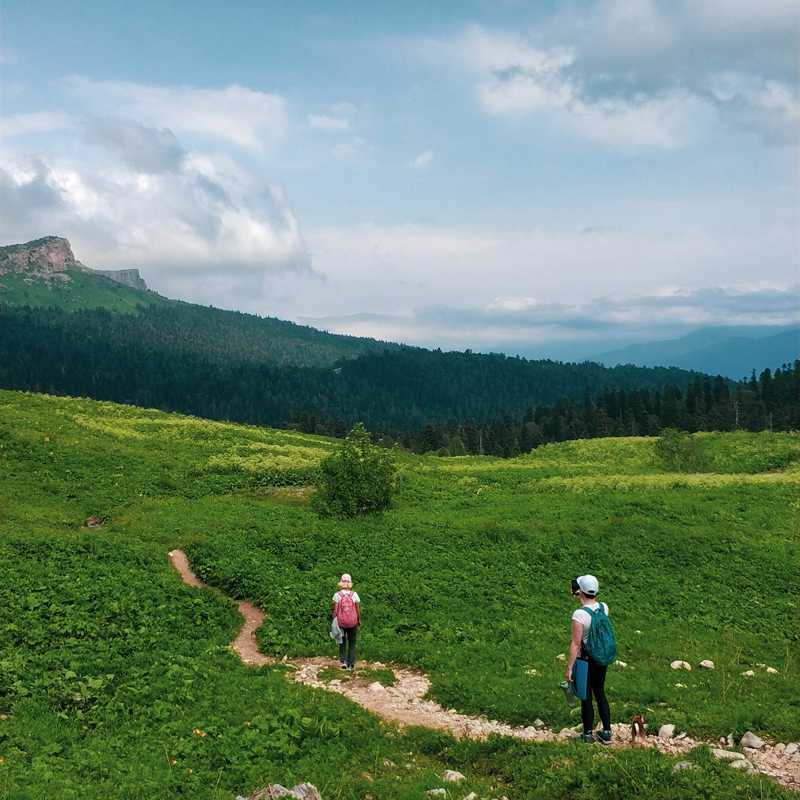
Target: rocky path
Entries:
(404, 702)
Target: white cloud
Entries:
(640, 73)
(322, 123)
(205, 221)
(391, 270)
(37, 122)
(249, 119)
(423, 159)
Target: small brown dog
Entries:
(638, 735)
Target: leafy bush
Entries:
(355, 479)
(680, 451)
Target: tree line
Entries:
(187, 361)
(769, 402)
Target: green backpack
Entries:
(601, 646)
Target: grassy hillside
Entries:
(82, 291)
(110, 663)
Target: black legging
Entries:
(347, 649)
(595, 685)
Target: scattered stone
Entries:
(747, 673)
(751, 740)
(637, 631)
(730, 741)
(539, 725)
(681, 735)
(772, 671)
(680, 685)
(95, 523)
(759, 664)
(471, 796)
(680, 665)
(706, 664)
(779, 747)
(742, 763)
(376, 686)
(666, 731)
(681, 765)
(565, 733)
(726, 755)
(301, 790)
(367, 777)
(791, 749)
(452, 775)
(388, 763)
(620, 664)
(561, 657)
(434, 792)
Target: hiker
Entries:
(585, 589)
(347, 612)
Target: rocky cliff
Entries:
(50, 258)
(47, 258)
(130, 277)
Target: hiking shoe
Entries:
(604, 737)
(586, 737)
(343, 665)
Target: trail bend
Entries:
(405, 703)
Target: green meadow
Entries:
(118, 680)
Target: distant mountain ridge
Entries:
(733, 352)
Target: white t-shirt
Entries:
(585, 618)
(337, 598)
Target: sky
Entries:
(549, 179)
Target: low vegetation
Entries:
(117, 679)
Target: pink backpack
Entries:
(347, 615)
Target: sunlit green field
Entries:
(110, 663)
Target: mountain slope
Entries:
(45, 273)
(730, 351)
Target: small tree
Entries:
(356, 478)
(680, 451)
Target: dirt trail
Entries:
(404, 702)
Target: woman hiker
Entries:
(347, 612)
(585, 589)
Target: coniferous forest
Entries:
(190, 359)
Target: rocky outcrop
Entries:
(129, 277)
(50, 258)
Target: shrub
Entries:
(355, 479)
(680, 451)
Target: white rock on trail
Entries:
(751, 740)
(726, 755)
(706, 664)
(452, 775)
(680, 665)
(791, 749)
(666, 731)
(376, 687)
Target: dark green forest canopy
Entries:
(192, 359)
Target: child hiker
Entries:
(347, 612)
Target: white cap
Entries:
(588, 585)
